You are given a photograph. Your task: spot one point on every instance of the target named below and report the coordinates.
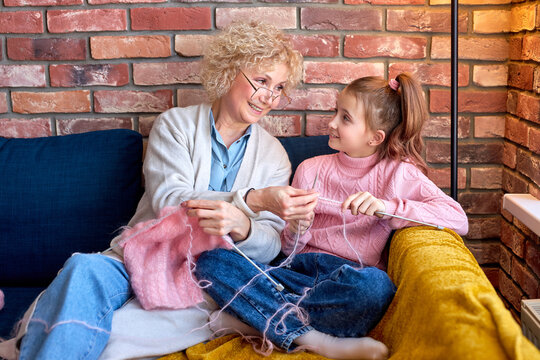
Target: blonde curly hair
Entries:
(243, 45)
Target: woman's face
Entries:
(245, 105)
(348, 130)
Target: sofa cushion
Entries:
(301, 148)
(63, 194)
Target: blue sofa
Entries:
(66, 194)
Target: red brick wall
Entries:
(69, 66)
(520, 248)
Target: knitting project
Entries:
(160, 255)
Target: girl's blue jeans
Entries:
(338, 297)
(73, 316)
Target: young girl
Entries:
(335, 291)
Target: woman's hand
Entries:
(287, 202)
(220, 218)
(301, 226)
(363, 203)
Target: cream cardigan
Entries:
(177, 168)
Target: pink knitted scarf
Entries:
(160, 255)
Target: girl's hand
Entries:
(287, 202)
(363, 203)
(301, 226)
(219, 218)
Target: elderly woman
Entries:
(214, 159)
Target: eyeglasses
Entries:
(269, 94)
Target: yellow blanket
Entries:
(233, 347)
(444, 308)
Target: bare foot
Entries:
(363, 348)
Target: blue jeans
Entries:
(79, 306)
(339, 297)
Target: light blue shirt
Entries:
(225, 162)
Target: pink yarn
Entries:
(394, 84)
(159, 256)
(1, 300)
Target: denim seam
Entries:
(286, 343)
(273, 322)
(107, 312)
(273, 319)
(316, 279)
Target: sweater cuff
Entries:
(238, 201)
(391, 208)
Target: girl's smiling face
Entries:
(349, 131)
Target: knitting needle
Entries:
(411, 220)
(312, 188)
(400, 217)
(315, 181)
(298, 230)
(277, 285)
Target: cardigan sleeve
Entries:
(263, 243)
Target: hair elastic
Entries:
(394, 84)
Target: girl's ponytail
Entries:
(405, 140)
(399, 109)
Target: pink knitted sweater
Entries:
(160, 254)
(403, 188)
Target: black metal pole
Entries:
(454, 99)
